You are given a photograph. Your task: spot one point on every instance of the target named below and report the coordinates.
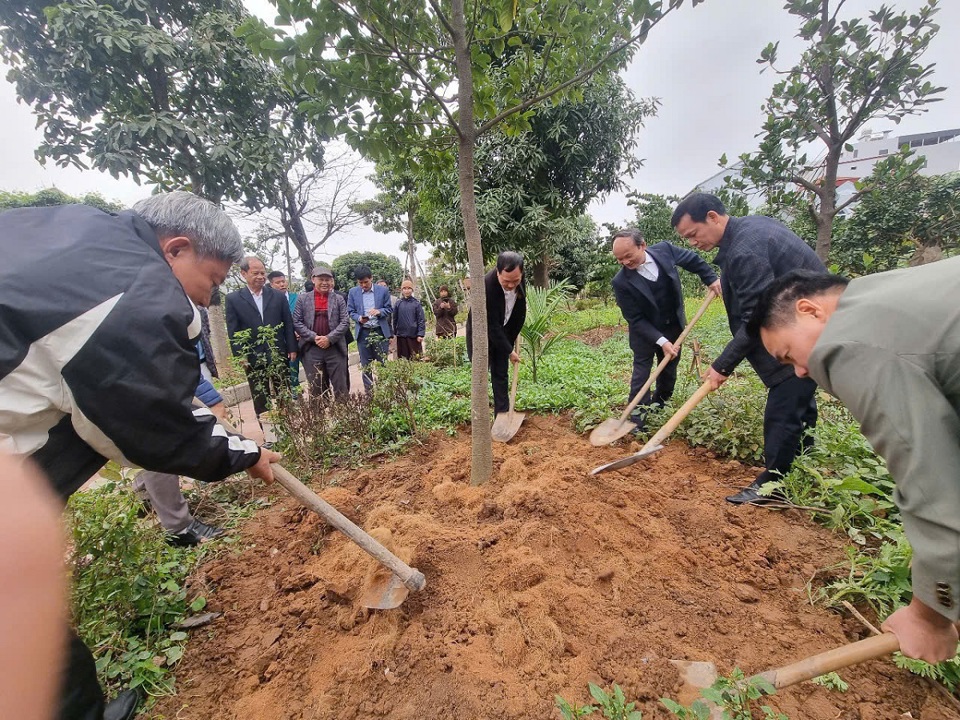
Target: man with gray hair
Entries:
(107, 367)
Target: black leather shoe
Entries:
(194, 534)
(123, 706)
(750, 495)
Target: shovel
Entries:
(385, 592)
(699, 675)
(654, 444)
(613, 429)
(507, 424)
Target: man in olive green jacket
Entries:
(888, 346)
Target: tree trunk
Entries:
(293, 225)
(541, 271)
(828, 204)
(412, 250)
(481, 465)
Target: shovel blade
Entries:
(506, 426)
(696, 676)
(627, 461)
(610, 430)
(386, 592)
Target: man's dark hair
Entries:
(442, 288)
(631, 233)
(508, 261)
(308, 286)
(697, 205)
(362, 272)
(274, 274)
(775, 307)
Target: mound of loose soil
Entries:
(538, 582)
(598, 335)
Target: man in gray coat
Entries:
(888, 347)
(320, 319)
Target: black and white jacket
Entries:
(98, 351)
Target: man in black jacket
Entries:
(108, 367)
(648, 292)
(506, 313)
(251, 308)
(754, 250)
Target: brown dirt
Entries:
(598, 335)
(538, 582)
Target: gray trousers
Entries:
(326, 368)
(163, 492)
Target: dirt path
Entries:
(540, 581)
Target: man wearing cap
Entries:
(320, 319)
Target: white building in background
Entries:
(940, 150)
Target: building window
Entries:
(855, 152)
(883, 152)
(853, 167)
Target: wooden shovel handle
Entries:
(411, 577)
(516, 376)
(677, 417)
(831, 660)
(661, 366)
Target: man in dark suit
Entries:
(506, 313)
(754, 251)
(648, 292)
(253, 307)
(370, 307)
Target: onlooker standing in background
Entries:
(445, 312)
(409, 323)
(252, 308)
(278, 281)
(369, 306)
(320, 319)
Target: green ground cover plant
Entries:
(129, 587)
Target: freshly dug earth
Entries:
(538, 582)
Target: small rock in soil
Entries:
(746, 593)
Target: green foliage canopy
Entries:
(163, 92)
(853, 71)
(383, 267)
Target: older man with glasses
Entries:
(321, 320)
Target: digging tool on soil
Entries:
(613, 429)
(699, 675)
(386, 591)
(654, 444)
(507, 424)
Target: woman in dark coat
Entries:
(445, 311)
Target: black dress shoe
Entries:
(750, 495)
(123, 706)
(194, 534)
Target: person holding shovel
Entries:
(754, 251)
(648, 292)
(888, 347)
(103, 363)
(506, 313)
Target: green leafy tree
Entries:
(51, 197)
(438, 75)
(533, 186)
(159, 92)
(382, 266)
(907, 218)
(853, 71)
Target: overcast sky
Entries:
(700, 62)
